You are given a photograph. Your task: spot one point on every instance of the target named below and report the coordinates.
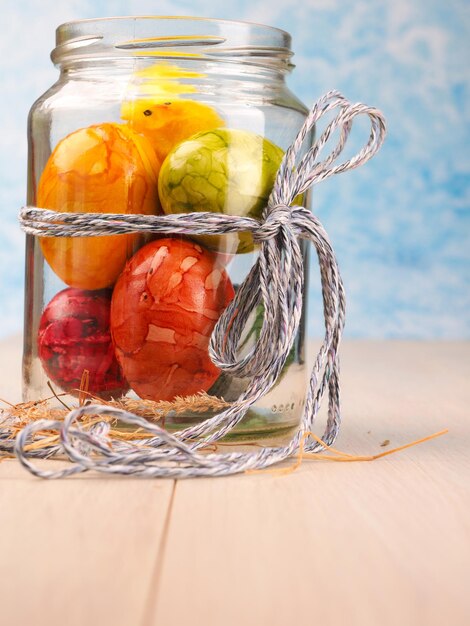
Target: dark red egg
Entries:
(74, 336)
(164, 308)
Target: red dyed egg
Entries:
(164, 308)
(74, 336)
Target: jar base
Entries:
(254, 428)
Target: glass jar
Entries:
(152, 115)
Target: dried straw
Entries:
(17, 416)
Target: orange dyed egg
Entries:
(164, 308)
(168, 123)
(106, 168)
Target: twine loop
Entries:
(275, 282)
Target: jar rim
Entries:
(151, 35)
(174, 17)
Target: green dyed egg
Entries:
(221, 171)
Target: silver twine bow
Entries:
(276, 281)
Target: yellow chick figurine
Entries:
(153, 107)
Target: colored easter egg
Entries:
(166, 124)
(74, 336)
(106, 168)
(221, 171)
(164, 308)
(157, 105)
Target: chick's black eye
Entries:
(147, 112)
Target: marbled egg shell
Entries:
(106, 168)
(164, 308)
(224, 170)
(74, 336)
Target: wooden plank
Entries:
(386, 542)
(79, 551)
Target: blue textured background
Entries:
(400, 225)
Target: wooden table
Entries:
(379, 543)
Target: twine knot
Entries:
(275, 282)
(276, 217)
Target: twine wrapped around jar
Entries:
(275, 281)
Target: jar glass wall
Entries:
(155, 115)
